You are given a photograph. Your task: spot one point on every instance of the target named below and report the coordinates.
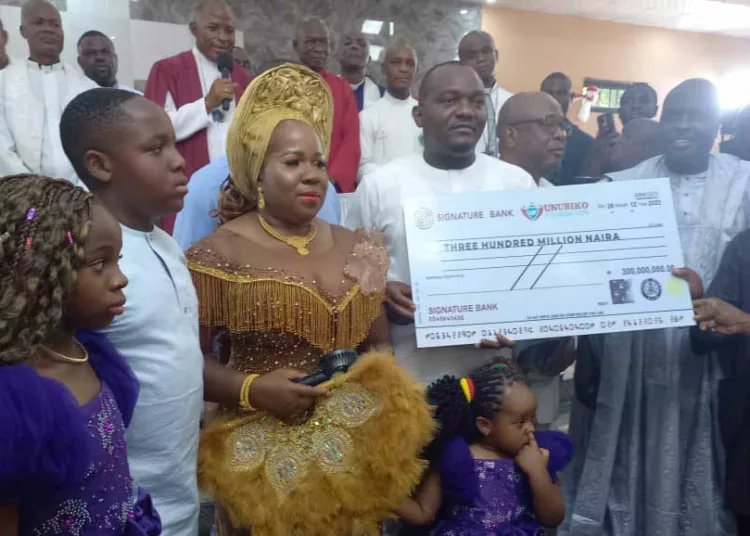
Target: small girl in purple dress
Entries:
(65, 395)
(491, 472)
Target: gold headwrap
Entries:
(279, 94)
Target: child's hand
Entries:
(532, 459)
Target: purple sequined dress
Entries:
(491, 497)
(65, 466)
(103, 501)
(503, 505)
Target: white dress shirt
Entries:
(49, 86)
(387, 131)
(378, 204)
(192, 117)
(159, 337)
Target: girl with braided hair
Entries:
(490, 471)
(65, 395)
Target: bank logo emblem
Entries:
(651, 289)
(424, 218)
(532, 211)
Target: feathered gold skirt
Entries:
(349, 465)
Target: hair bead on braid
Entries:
(459, 401)
(43, 229)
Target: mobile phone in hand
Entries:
(606, 123)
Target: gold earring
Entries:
(261, 199)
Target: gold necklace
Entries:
(299, 243)
(57, 356)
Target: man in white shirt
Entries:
(452, 114)
(191, 89)
(478, 51)
(98, 59)
(4, 60)
(387, 130)
(531, 130)
(33, 95)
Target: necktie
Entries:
(491, 148)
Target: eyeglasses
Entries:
(551, 123)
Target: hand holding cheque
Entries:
(547, 262)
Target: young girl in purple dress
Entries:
(65, 395)
(491, 472)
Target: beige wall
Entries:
(532, 45)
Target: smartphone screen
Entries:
(606, 123)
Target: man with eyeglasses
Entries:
(532, 130)
(192, 89)
(559, 87)
(98, 59)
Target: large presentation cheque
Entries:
(547, 262)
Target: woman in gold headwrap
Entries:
(284, 288)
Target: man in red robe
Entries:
(190, 88)
(313, 45)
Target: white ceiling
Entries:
(728, 17)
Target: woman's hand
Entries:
(277, 394)
(399, 300)
(693, 281)
(500, 341)
(531, 459)
(719, 316)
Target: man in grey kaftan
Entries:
(648, 460)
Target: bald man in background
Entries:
(4, 60)
(190, 88)
(33, 95)
(387, 129)
(354, 57)
(532, 132)
(478, 51)
(312, 42)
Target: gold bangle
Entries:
(245, 392)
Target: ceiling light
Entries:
(464, 12)
(372, 27)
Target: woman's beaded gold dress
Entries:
(279, 309)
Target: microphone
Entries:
(331, 364)
(225, 63)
